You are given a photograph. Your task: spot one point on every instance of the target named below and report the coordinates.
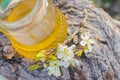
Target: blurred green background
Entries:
(111, 6)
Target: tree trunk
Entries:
(103, 63)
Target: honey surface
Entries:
(21, 10)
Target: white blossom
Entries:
(66, 55)
(53, 68)
(87, 41)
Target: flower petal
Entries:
(45, 65)
(58, 73)
(66, 64)
(83, 43)
(60, 63)
(62, 47)
(49, 73)
(72, 47)
(83, 37)
(51, 68)
(60, 55)
(87, 35)
(89, 47)
(92, 41)
(52, 63)
(76, 62)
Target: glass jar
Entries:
(43, 28)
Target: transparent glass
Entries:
(43, 28)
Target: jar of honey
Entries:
(34, 25)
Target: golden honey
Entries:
(21, 10)
(41, 33)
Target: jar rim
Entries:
(38, 11)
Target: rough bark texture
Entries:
(103, 63)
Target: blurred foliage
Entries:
(98, 2)
(106, 1)
(101, 3)
(110, 6)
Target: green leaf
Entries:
(52, 58)
(37, 59)
(40, 55)
(34, 67)
(79, 53)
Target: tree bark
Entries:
(103, 63)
